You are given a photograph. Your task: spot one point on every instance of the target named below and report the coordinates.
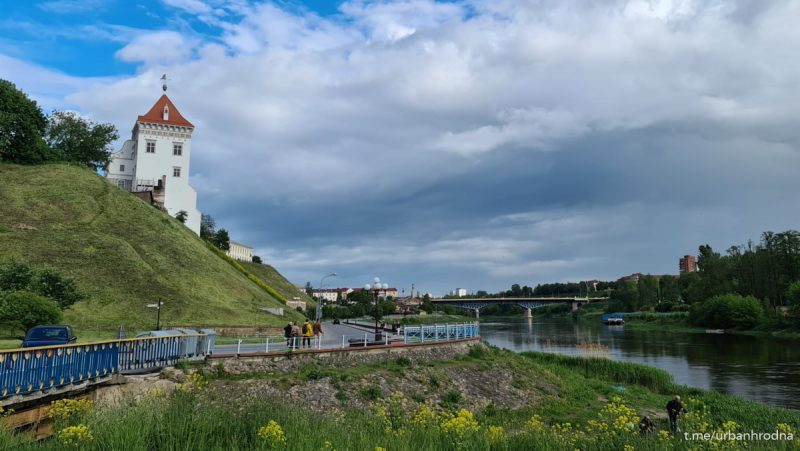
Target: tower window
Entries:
(176, 171)
(122, 168)
(166, 113)
(177, 149)
(151, 147)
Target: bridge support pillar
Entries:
(528, 313)
(477, 313)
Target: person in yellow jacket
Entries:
(308, 331)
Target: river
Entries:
(758, 368)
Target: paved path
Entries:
(331, 338)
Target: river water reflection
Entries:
(759, 368)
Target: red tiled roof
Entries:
(157, 111)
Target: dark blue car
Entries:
(48, 336)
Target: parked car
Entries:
(336, 321)
(48, 336)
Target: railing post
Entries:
(239, 347)
(267, 347)
(365, 340)
(343, 337)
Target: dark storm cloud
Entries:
(482, 143)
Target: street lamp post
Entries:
(157, 306)
(321, 296)
(376, 288)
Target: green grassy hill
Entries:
(273, 278)
(122, 253)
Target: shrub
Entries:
(22, 310)
(20, 276)
(727, 311)
(371, 393)
(452, 397)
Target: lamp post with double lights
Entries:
(322, 295)
(376, 288)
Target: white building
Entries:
(460, 292)
(239, 251)
(156, 159)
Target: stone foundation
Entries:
(283, 362)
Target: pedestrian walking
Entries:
(674, 409)
(295, 334)
(318, 333)
(308, 331)
(287, 333)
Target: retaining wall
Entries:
(283, 362)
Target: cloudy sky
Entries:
(473, 143)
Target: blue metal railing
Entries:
(440, 332)
(28, 370)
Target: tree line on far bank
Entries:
(28, 136)
(750, 285)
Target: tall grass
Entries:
(191, 421)
(620, 372)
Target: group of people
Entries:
(292, 332)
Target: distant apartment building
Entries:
(331, 294)
(633, 277)
(460, 292)
(241, 252)
(687, 264)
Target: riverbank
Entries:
(487, 399)
(681, 324)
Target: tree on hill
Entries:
(257, 259)
(22, 125)
(182, 216)
(76, 139)
(221, 240)
(20, 276)
(208, 227)
(22, 310)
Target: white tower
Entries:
(156, 160)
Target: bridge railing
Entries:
(28, 370)
(440, 332)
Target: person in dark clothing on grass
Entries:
(674, 409)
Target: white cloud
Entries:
(192, 6)
(159, 47)
(414, 102)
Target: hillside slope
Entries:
(122, 253)
(273, 278)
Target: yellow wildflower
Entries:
(460, 426)
(535, 423)
(424, 417)
(75, 436)
(272, 434)
(495, 435)
(66, 409)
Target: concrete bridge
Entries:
(476, 304)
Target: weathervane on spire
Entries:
(164, 82)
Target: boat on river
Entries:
(715, 331)
(613, 319)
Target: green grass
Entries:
(212, 419)
(122, 253)
(273, 278)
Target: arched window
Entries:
(166, 113)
